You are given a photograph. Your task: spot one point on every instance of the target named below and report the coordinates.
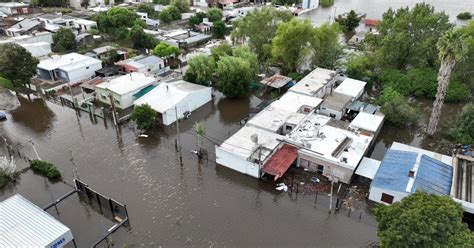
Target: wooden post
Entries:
(179, 136)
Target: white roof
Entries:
(293, 102)
(127, 83)
(351, 87)
(368, 167)
(443, 158)
(272, 118)
(85, 22)
(323, 140)
(64, 61)
(23, 224)
(242, 145)
(173, 92)
(312, 83)
(366, 121)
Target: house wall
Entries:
(376, 195)
(310, 4)
(330, 169)
(43, 74)
(325, 110)
(157, 69)
(83, 72)
(189, 103)
(237, 163)
(201, 3)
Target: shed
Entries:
(367, 122)
(26, 225)
(276, 81)
(351, 87)
(368, 168)
(335, 105)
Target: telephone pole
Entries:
(179, 136)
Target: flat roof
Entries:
(293, 102)
(337, 101)
(241, 143)
(103, 49)
(276, 81)
(312, 83)
(13, 4)
(166, 95)
(59, 61)
(85, 22)
(368, 167)
(24, 224)
(127, 83)
(272, 118)
(366, 121)
(351, 87)
(142, 61)
(333, 144)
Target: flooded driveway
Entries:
(195, 204)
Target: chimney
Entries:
(189, 32)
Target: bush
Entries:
(326, 3)
(464, 16)
(46, 169)
(396, 108)
(169, 14)
(462, 129)
(361, 67)
(144, 116)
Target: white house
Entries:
(22, 27)
(406, 169)
(317, 83)
(177, 96)
(335, 105)
(84, 25)
(351, 87)
(38, 44)
(71, 67)
(200, 3)
(145, 63)
(123, 89)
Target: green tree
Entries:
(452, 48)
(219, 30)
(64, 40)
(17, 64)
(464, 16)
(423, 220)
(293, 43)
(144, 116)
(360, 67)
(258, 28)
(182, 5)
(348, 23)
(234, 75)
(201, 70)
(222, 49)
(116, 21)
(169, 14)
(165, 50)
(245, 52)
(326, 46)
(396, 108)
(214, 14)
(162, 2)
(463, 71)
(196, 19)
(408, 37)
(326, 3)
(462, 130)
(140, 39)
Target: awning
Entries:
(368, 168)
(280, 161)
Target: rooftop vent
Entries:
(411, 173)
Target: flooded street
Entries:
(196, 204)
(375, 8)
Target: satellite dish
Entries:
(254, 138)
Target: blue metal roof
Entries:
(393, 171)
(433, 176)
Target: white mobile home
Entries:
(177, 96)
(123, 89)
(71, 67)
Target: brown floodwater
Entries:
(198, 203)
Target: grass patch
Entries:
(326, 3)
(464, 16)
(46, 169)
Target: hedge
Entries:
(46, 169)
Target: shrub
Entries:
(464, 16)
(169, 14)
(462, 130)
(326, 3)
(396, 108)
(144, 116)
(46, 169)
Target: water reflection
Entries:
(232, 110)
(34, 114)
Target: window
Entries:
(332, 115)
(320, 169)
(288, 128)
(387, 198)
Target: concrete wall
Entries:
(330, 169)
(325, 110)
(189, 103)
(83, 73)
(376, 195)
(236, 163)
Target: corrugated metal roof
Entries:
(393, 171)
(23, 224)
(433, 176)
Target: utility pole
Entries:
(179, 136)
(74, 170)
(113, 109)
(330, 198)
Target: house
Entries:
(370, 124)
(14, 8)
(39, 49)
(102, 53)
(200, 3)
(25, 224)
(176, 97)
(22, 27)
(122, 89)
(371, 25)
(406, 169)
(53, 22)
(335, 105)
(83, 25)
(351, 87)
(184, 38)
(317, 83)
(145, 64)
(71, 67)
(38, 43)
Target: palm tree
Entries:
(452, 48)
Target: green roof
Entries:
(144, 91)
